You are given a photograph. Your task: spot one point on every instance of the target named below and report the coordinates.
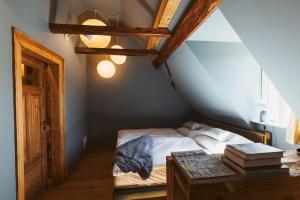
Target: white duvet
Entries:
(169, 140)
(127, 135)
(165, 141)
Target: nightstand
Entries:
(260, 187)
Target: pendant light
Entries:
(118, 59)
(106, 69)
(95, 41)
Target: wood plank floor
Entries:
(91, 179)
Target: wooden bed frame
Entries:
(159, 192)
(255, 136)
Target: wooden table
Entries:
(255, 187)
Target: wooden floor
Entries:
(91, 179)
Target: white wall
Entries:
(270, 30)
(234, 71)
(31, 16)
(220, 80)
(210, 30)
(279, 139)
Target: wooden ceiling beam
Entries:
(198, 12)
(108, 30)
(108, 51)
(163, 18)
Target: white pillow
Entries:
(189, 133)
(204, 127)
(211, 145)
(218, 134)
(184, 131)
(192, 125)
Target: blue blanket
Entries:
(136, 156)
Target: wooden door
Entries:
(55, 96)
(35, 157)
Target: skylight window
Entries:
(279, 112)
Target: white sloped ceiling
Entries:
(270, 30)
(213, 92)
(216, 73)
(217, 70)
(216, 28)
(235, 72)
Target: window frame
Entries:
(266, 94)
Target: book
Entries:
(251, 163)
(255, 151)
(199, 165)
(280, 169)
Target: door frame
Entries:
(23, 43)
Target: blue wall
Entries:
(31, 16)
(138, 96)
(235, 72)
(272, 39)
(279, 138)
(220, 80)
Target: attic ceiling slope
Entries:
(194, 16)
(272, 38)
(107, 7)
(234, 71)
(200, 89)
(217, 29)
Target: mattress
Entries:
(132, 180)
(166, 141)
(126, 135)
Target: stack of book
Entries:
(254, 158)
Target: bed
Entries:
(131, 186)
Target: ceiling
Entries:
(133, 13)
(216, 29)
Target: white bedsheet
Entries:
(163, 146)
(169, 140)
(165, 141)
(126, 135)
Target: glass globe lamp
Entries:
(95, 41)
(117, 58)
(106, 69)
